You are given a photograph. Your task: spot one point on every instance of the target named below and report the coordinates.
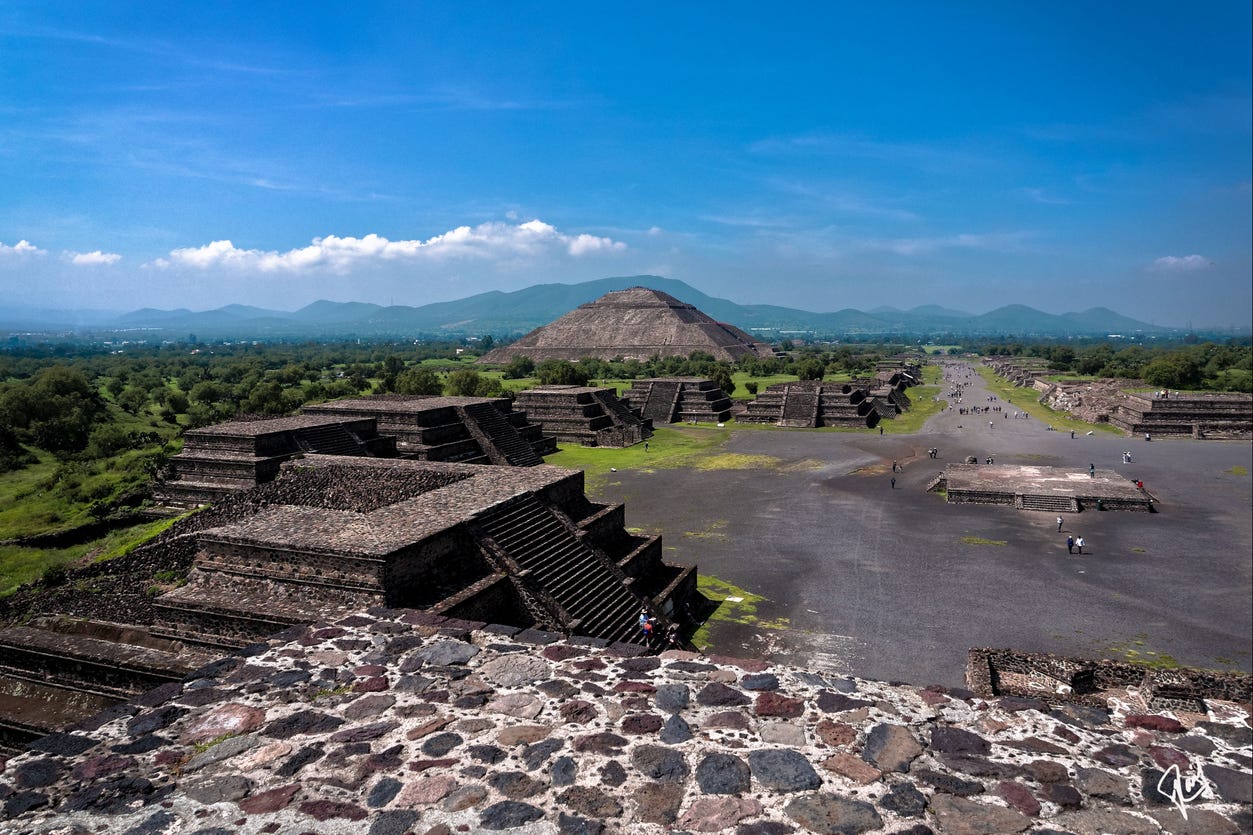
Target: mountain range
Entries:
(514, 313)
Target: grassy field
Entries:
(22, 565)
(1025, 400)
(671, 447)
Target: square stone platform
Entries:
(1042, 488)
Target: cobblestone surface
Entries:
(395, 722)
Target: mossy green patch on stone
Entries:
(1238, 469)
(978, 540)
(1135, 652)
(735, 605)
(714, 531)
(736, 461)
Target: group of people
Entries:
(648, 627)
(1072, 542)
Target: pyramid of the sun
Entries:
(632, 324)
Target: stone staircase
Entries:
(56, 672)
(1054, 504)
(630, 426)
(800, 407)
(660, 402)
(332, 439)
(500, 440)
(592, 591)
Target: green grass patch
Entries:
(714, 531)
(1027, 400)
(923, 405)
(978, 540)
(1238, 469)
(740, 378)
(938, 349)
(671, 447)
(19, 565)
(201, 747)
(735, 605)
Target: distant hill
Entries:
(518, 312)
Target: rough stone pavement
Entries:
(399, 721)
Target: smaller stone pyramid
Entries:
(632, 324)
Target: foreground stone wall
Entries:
(393, 722)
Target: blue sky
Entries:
(823, 156)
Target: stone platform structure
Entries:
(679, 400)
(585, 415)
(239, 455)
(336, 534)
(1186, 415)
(393, 722)
(472, 430)
(1098, 682)
(811, 404)
(637, 323)
(1021, 371)
(516, 545)
(1051, 489)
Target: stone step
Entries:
(90, 664)
(557, 561)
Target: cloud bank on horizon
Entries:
(818, 157)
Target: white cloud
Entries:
(1002, 241)
(1181, 264)
(492, 241)
(22, 247)
(91, 259)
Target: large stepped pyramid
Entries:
(637, 323)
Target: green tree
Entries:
(721, 375)
(133, 400)
(810, 369)
(464, 382)
(419, 381)
(1176, 371)
(556, 372)
(519, 367)
(56, 410)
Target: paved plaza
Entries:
(896, 584)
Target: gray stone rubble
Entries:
(400, 721)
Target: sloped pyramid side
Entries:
(632, 324)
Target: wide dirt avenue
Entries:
(897, 584)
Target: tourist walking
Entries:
(1070, 545)
(893, 482)
(1091, 471)
(1059, 524)
(1079, 544)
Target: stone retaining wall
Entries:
(394, 722)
